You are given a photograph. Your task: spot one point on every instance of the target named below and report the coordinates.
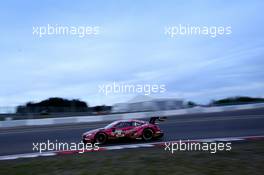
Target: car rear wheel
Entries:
(147, 134)
(101, 138)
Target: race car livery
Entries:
(130, 129)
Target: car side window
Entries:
(137, 124)
(123, 124)
(129, 124)
(119, 125)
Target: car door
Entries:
(128, 128)
(123, 129)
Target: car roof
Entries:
(129, 120)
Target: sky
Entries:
(131, 48)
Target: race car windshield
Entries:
(110, 125)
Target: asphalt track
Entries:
(190, 126)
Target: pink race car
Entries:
(130, 129)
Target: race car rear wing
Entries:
(152, 120)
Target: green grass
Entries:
(245, 158)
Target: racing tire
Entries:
(101, 138)
(147, 134)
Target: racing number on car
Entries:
(119, 133)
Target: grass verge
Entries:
(245, 158)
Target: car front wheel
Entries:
(101, 138)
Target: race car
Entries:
(125, 129)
